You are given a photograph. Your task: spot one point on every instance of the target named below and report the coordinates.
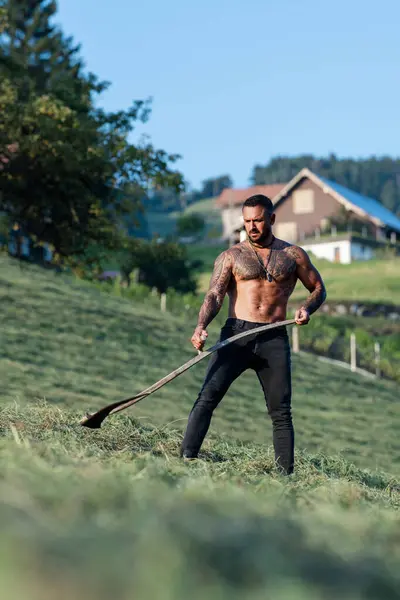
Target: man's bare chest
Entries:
(276, 265)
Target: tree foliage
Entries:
(161, 265)
(168, 200)
(190, 224)
(375, 177)
(69, 175)
(215, 185)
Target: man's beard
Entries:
(260, 236)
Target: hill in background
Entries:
(164, 224)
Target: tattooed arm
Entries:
(214, 297)
(312, 280)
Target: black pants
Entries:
(268, 354)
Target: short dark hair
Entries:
(260, 200)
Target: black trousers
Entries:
(268, 354)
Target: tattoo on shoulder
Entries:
(221, 274)
(218, 286)
(295, 252)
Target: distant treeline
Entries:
(168, 200)
(377, 178)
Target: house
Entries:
(310, 206)
(343, 248)
(311, 210)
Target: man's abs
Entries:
(259, 300)
(251, 296)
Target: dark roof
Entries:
(363, 205)
(369, 205)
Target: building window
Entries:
(286, 231)
(303, 202)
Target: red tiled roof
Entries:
(239, 196)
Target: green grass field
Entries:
(74, 346)
(114, 512)
(164, 224)
(93, 515)
(374, 281)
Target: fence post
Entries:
(163, 302)
(377, 349)
(295, 339)
(353, 352)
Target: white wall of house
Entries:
(232, 220)
(339, 251)
(343, 251)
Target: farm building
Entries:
(311, 210)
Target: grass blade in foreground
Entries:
(95, 420)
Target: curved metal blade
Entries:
(95, 420)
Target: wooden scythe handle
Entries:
(95, 420)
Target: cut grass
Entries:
(69, 343)
(114, 513)
(93, 514)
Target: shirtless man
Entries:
(259, 275)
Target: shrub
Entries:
(191, 224)
(161, 265)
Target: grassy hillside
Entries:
(374, 281)
(207, 254)
(164, 224)
(114, 513)
(69, 343)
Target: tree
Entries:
(73, 180)
(163, 200)
(215, 185)
(190, 224)
(46, 61)
(161, 265)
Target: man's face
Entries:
(258, 223)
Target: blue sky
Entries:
(235, 83)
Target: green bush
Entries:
(391, 344)
(330, 336)
(161, 265)
(190, 224)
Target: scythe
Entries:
(95, 420)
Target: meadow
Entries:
(164, 224)
(67, 343)
(115, 513)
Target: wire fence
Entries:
(358, 350)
